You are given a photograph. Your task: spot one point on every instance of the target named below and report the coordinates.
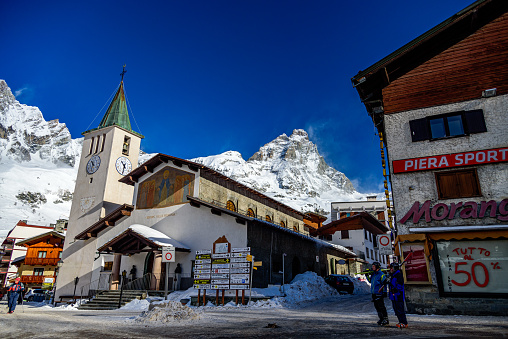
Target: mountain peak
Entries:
(299, 133)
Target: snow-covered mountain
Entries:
(38, 164)
(290, 170)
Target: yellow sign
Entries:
(249, 257)
(258, 263)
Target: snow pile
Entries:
(168, 312)
(361, 286)
(136, 305)
(307, 287)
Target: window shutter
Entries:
(475, 122)
(419, 129)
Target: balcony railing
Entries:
(41, 261)
(34, 279)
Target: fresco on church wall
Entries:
(167, 187)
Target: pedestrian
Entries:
(133, 272)
(378, 291)
(14, 290)
(178, 275)
(396, 292)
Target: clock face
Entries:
(93, 164)
(123, 165)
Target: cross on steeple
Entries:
(123, 72)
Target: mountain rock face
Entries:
(38, 165)
(290, 170)
(24, 134)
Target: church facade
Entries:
(122, 217)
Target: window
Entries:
(283, 224)
(231, 206)
(103, 142)
(367, 252)
(370, 237)
(295, 228)
(60, 255)
(344, 234)
(250, 213)
(458, 184)
(267, 218)
(97, 144)
(108, 265)
(126, 145)
(91, 146)
(366, 235)
(38, 271)
(42, 254)
(447, 125)
(327, 237)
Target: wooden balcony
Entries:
(34, 279)
(41, 261)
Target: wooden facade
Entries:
(459, 73)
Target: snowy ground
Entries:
(309, 309)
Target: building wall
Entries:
(420, 186)
(211, 192)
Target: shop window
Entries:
(126, 145)
(108, 265)
(447, 125)
(42, 254)
(283, 224)
(250, 213)
(231, 206)
(38, 271)
(344, 234)
(267, 218)
(458, 184)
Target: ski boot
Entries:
(384, 322)
(401, 325)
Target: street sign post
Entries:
(384, 244)
(168, 255)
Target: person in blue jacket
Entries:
(378, 291)
(396, 293)
(14, 290)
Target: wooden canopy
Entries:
(359, 221)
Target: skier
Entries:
(378, 290)
(14, 290)
(396, 285)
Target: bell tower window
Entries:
(126, 145)
(103, 142)
(91, 145)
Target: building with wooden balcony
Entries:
(40, 262)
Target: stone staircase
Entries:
(108, 300)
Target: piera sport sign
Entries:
(473, 267)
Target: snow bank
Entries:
(136, 305)
(168, 312)
(305, 288)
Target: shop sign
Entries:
(473, 266)
(451, 160)
(464, 210)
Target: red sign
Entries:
(451, 160)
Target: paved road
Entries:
(347, 317)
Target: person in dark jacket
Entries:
(396, 293)
(378, 290)
(14, 291)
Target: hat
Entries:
(394, 265)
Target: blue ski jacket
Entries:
(377, 280)
(397, 286)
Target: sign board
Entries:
(240, 249)
(384, 244)
(204, 252)
(49, 280)
(221, 247)
(168, 254)
(473, 267)
(258, 263)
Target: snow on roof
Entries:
(155, 236)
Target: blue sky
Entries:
(205, 77)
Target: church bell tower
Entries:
(109, 152)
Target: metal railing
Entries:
(142, 283)
(91, 290)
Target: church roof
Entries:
(117, 113)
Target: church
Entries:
(122, 216)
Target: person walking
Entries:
(178, 276)
(396, 293)
(378, 290)
(13, 291)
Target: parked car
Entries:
(35, 294)
(342, 283)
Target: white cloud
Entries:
(18, 92)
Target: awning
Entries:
(427, 238)
(362, 220)
(139, 238)
(109, 220)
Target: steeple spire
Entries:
(117, 113)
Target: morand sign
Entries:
(464, 210)
(451, 160)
